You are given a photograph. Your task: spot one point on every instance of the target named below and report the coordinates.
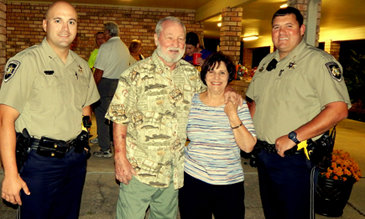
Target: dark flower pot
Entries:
(331, 196)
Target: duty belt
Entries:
(270, 148)
(50, 147)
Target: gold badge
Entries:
(292, 65)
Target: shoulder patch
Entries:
(334, 71)
(11, 69)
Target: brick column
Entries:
(230, 33)
(2, 38)
(332, 48)
(247, 58)
(302, 6)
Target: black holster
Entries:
(321, 149)
(21, 149)
(254, 157)
(82, 141)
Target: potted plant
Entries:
(335, 184)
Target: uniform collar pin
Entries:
(80, 68)
(262, 68)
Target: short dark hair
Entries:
(135, 44)
(213, 61)
(100, 32)
(286, 11)
(192, 39)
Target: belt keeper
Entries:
(236, 127)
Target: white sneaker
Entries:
(94, 141)
(103, 154)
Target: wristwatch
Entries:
(293, 136)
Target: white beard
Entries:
(166, 57)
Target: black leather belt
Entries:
(270, 148)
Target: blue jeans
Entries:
(284, 185)
(55, 186)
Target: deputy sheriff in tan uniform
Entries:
(47, 88)
(298, 93)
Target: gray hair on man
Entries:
(169, 18)
(113, 28)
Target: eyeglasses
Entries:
(272, 65)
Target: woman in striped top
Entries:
(213, 180)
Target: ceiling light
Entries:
(249, 38)
(219, 24)
(284, 6)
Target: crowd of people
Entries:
(145, 109)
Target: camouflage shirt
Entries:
(154, 102)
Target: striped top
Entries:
(213, 155)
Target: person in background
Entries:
(213, 178)
(135, 49)
(298, 93)
(99, 39)
(193, 46)
(112, 60)
(46, 90)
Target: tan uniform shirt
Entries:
(296, 91)
(48, 94)
(155, 103)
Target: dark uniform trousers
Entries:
(55, 186)
(285, 185)
(106, 88)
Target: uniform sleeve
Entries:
(101, 58)
(328, 81)
(92, 92)
(124, 101)
(245, 116)
(18, 82)
(251, 87)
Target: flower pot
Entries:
(331, 196)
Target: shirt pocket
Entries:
(50, 91)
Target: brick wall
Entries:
(2, 38)
(247, 58)
(332, 48)
(24, 25)
(230, 33)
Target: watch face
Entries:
(293, 137)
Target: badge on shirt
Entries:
(80, 68)
(334, 71)
(11, 69)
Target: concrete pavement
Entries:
(101, 190)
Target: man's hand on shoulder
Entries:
(232, 95)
